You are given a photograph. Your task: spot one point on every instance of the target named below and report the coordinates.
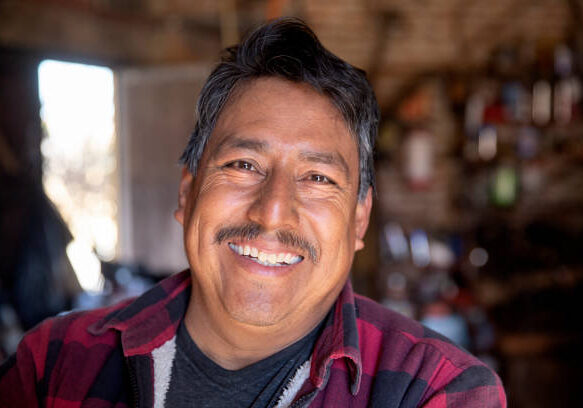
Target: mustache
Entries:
(253, 230)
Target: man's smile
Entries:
(241, 235)
(266, 258)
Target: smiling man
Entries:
(274, 199)
(272, 220)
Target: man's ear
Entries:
(183, 193)
(361, 219)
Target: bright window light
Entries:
(79, 154)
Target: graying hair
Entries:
(287, 48)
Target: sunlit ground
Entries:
(77, 112)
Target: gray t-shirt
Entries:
(199, 382)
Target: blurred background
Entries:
(477, 228)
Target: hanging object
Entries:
(420, 252)
(505, 186)
(541, 102)
(418, 158)
(474, 114)
(487, 142)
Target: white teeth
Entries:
(265, 258)
(294, 259)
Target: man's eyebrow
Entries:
(236, 142)
(333, 159)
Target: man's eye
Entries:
(241, 165)
(318, 178)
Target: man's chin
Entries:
(259, 313)
(257, 319)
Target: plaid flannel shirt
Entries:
(366, 356)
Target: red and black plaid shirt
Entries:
(366, 356)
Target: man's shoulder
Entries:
(374, 317)
(61, 358)
(72, 327)
(92, 326)
(393, 344)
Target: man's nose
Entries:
(275, 205)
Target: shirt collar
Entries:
(338, 341)
(150, 320)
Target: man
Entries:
(274, 199)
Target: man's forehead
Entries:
(247, 100)
(247, 89)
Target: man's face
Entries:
(272, 219)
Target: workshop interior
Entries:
(477, 222)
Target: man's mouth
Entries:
(266, 258)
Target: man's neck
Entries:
(234, 345)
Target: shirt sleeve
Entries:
(18, 384)
(476, 386)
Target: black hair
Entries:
(287, 48)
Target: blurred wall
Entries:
(156, 117)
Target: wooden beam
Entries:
(71, 33)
